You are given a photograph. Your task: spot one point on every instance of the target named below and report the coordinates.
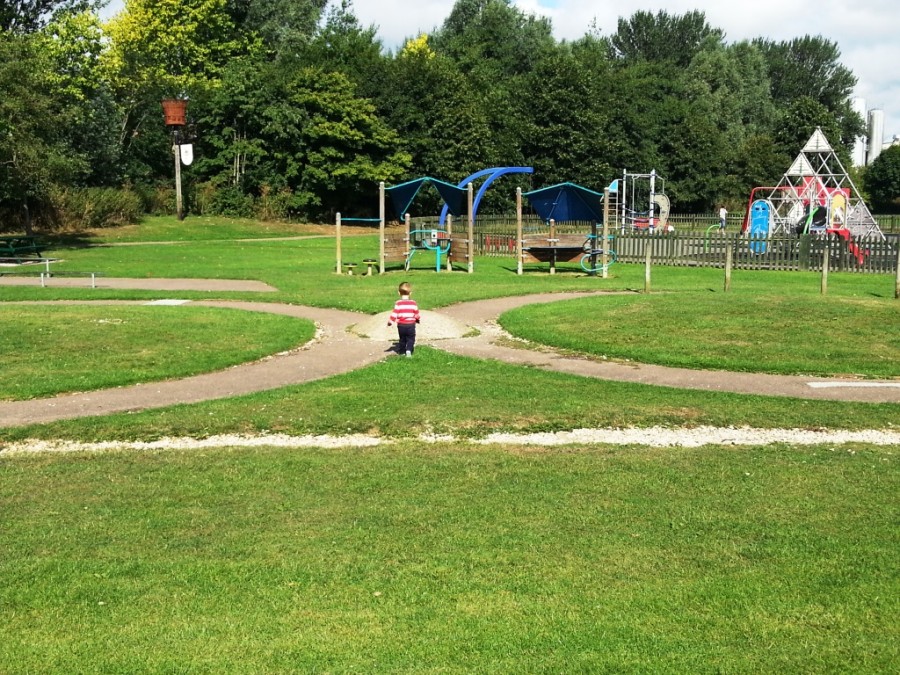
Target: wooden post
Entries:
(552, 242)
(729, 257)
(605, 244)
(337, 237)
(449, 222)
(406, 220)
(897, 280)
(179, 206)
(518, 230)
(826, 255)
(471, 234)
(647, 256)
(380, 228)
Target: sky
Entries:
(866, 31)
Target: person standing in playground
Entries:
(406, 316)
(723, 217)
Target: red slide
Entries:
(854, 249)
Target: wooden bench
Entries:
(21, 248)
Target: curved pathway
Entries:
(338, 349)
(489, 345)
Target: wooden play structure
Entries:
(399, 244)
(566, 202)
(451, 246)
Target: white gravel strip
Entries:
(853, 385)
(657, 437)
(188, 443)
(661, 437)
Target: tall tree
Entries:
(799, 120)
(568, 135)
(883, 180)
(28, 16)
(807, 66)
(172, 46)
(437, 114)
(34, 157)
(159, 49)
(496, 45)
(662, 37)
(73, 43)
(284, 26)
(298, 130)
(342, 44)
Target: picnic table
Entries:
(21, 248)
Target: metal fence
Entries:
(496, 237)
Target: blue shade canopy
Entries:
(402, 195)
(567, 201)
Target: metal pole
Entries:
(826, 255)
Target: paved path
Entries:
(338, 349)
(333, 351)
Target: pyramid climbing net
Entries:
(816, 193)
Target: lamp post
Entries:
(175, 114)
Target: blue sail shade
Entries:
(567, 201)
(402, 195)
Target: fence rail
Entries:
(496, 237)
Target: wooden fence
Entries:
(496, 237)
(805, 252)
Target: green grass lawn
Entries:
(762, 332)
(51, 349)
(775, 322)
(451, 559)
(443, 393)
(200, 228)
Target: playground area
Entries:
(813, 218)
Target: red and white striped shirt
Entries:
(406, 311)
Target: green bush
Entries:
(274, 205)
(156, 199)
(92, 208)
(209, 199)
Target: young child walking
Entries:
(406, 316)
